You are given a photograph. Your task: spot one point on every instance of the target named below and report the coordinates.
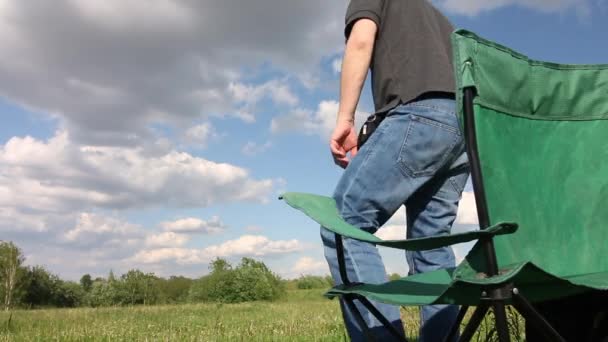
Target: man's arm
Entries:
(355, 65)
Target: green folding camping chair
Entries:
(537, 141)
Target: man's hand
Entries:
(343, 140)
(355, 64)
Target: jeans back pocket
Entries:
(427, 146)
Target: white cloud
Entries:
(110, 69)
(199, 135)
(177, 255)
(391, 232)
(321, 122)
(336, 65)
(59, 176)
(96, 230)
(95, 243)
(247, 96)
(166, 239)
(112, 17)
(195, 225)
(246, 245)
(395, 227)
(253, 149)
(253, 245)
(467, 210)
(475, 7)
(12, 219)
(310, 266)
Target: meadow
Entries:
(303, 315)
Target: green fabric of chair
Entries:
(537, 139)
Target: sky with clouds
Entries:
(157, 134)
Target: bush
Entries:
(175, 289)
(42, 288)
(68, 294)
(313, 282)
(251, 280)
(102, 293)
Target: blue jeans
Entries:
(415, 157)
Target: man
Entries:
(415, 157)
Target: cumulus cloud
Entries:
(195, 225)
(98, 231)
(110, 69)
(253, 245)
(276, 90)
(475, 7)
(395, 228)
(199, 135)
(391, 232)
(336, 65)
(310, 266)
(58, 176)
(166, 239)
(246, 245)
(321, 122)
(95, 243)
(467, 209)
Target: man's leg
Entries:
(431, 211)
(434, 151)
(366, 198)
(399, 158)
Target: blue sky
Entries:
(158, 134)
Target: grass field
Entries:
(304, 316)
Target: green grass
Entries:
(303, 316)
(307, 316)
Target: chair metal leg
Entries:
(366, 331)
(538, 321)
(500, 315)
(474, 322)
(456, 326)
(381, 318)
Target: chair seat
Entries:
(418, 289)
(463, 286)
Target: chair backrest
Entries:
(542, 140)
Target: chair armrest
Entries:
(323, 210)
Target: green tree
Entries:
(101, 294)
(209, 287)
(106, 292)
(39, 287)
(111, 277)
(86, 282)
(68, 294)
(140, 288)
(11, 272)
(175, 289)
(220, 265)
(45, 289)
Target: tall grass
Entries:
(304, 315)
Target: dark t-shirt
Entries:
(412, 54)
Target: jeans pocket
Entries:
(427, 146)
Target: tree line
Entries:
(34, 286)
